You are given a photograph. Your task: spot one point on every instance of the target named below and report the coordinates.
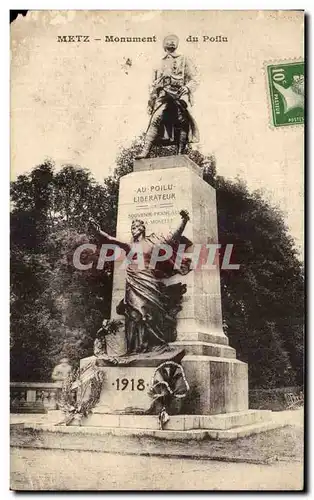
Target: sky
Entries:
(79, 103)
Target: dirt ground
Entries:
(81, 470)
(268, 461)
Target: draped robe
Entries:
(149, 305)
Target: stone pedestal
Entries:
(217, 385)
(156, 192)
(125, 387)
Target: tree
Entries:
(263, 301)
(55, 309)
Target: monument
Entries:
(152, 197)
(164, 352)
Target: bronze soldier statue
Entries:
(170, 99)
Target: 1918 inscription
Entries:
(131, 384)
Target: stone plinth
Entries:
(156, 192)
(167, 162)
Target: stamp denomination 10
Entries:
(286, 88)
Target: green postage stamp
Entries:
(286, 88)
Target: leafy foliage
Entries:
(57, 309)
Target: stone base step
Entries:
(130, 441)
(177, 422)
(202, 348)
(244, 431)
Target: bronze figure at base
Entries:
(149, 305)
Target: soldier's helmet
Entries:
(171, 40)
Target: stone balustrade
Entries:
(34, 397)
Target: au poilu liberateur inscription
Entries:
(155, 203)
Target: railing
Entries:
(34, 397)
(276, 399)
(39, 397)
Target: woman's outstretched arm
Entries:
(110, 239)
